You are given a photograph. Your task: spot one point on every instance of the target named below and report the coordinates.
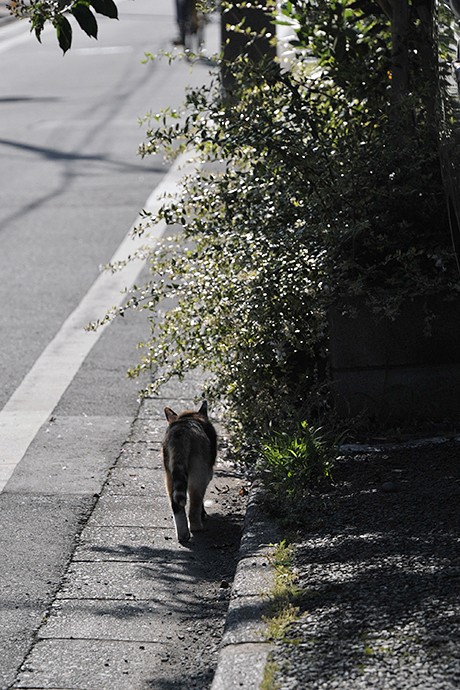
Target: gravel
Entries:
(377, 558)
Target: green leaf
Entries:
(64, 33)
(105, 7)
(86, 20)
(38, 28)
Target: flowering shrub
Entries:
(307, 195)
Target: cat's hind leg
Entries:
(179, 514)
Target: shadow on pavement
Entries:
(378, 563)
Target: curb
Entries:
(244, 648)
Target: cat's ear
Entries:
(170, 414)
(203, 409)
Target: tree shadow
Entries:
(379, 567)
(73, 164)
(209, 557)
(28, 99)
(195, 680)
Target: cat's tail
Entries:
(179, 485)
(179, 453)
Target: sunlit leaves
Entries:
(105, 7)
(85, 19)
(305, 196)
(63, 32)
(56, 12)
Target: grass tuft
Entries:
(284, 596)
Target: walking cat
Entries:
(189, 454)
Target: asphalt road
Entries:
(71, 187)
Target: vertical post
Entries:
(234, 43)
(399, 50)
(428, 51)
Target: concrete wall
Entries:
(394, 369)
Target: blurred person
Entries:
(181, 20)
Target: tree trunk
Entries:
(260, 49)
(400, 50)
(427, 50)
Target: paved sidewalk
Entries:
(378, 563)
(136, 609)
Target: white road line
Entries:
(34, 400)
(103, 50)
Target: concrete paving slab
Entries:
(154, 410)
(149, 430)
(178, 390)
(90, 664)
(131, 511)
(142, 481)
(141, 454)
(121, 543)
(128, 580)
(90, 619)
(189, 389)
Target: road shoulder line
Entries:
(33, 402)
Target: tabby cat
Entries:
(189, 454)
